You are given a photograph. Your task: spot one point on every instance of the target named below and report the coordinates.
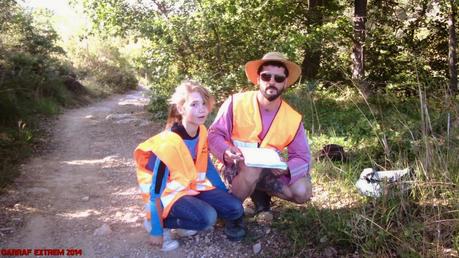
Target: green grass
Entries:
(15, 145)
(385, 133)
(20, 114)
(47, 106)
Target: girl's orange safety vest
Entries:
(186, 177)
(247, 123)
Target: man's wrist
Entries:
(223, 150)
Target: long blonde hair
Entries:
(181, 94)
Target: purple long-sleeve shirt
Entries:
(219, 137)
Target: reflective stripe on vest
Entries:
(183, 179)
(201, 182)
(247, 123)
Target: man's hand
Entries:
(232, 155)
(156, 241)
(280, 172)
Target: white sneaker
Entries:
(185, 232)
(169, 244)
(147, 225)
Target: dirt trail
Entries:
(87, 179)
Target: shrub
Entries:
(101, 66)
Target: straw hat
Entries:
(251, 67)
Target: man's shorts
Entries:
(229, 172)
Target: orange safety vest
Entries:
(247, 123)
(185, 178)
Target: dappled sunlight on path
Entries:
(83, 193)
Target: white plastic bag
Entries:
(370, 181)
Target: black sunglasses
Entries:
(267, 77)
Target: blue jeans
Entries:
(200, 211)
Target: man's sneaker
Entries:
(261, 200)
(169, 244)
(185, 232)
(234, 229)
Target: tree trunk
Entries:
(358, 53)
(312, 55)
(452, 42)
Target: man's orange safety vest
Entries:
(247, 123)
(186, 177)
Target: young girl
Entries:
(179, 184)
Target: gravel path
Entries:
(81, 193)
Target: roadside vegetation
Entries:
(416, 217)
(40, 75)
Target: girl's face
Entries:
(194, 110)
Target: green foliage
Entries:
(158, 105)
(407, 42)
(211, 40)
(100, 64)
(14, 146)
(316, 228)
(47, 106)
(31, 82)
(385, 133)
(30, 69)
(33, 68)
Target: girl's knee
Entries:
(209, 217)
(235, 208)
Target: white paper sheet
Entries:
(262, 158)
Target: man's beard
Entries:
(271, 98)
